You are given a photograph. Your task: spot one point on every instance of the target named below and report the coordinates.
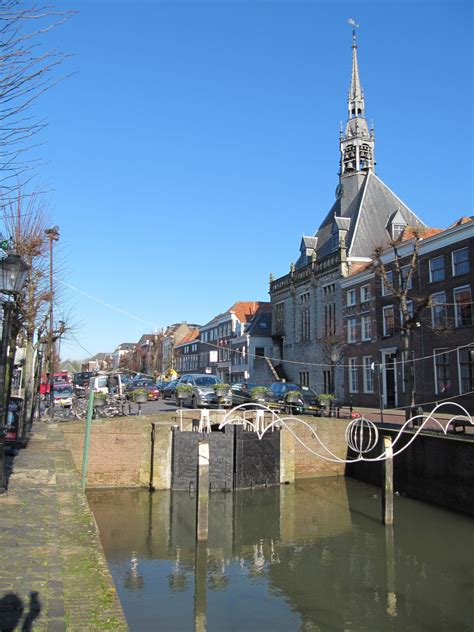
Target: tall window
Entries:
(466, 369)
(279, 318)
(352, 329)
(437, 269)
(366, 327)
(462, 306)
(409, 312)
(368, 374)
(304, 378)
(442, 371)
(330, 319)
(439, 318)
(388, 321)
(405, 282)
(351, 297)
(353, 376)
(327, 387)
(460, 261)
(365, 293)
(305, 316)
(387, 287)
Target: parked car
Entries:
(168, 392)
(201, 391)
(148, 384)
(81, 378)
(308, 402)
(242, 393)
(63, 395)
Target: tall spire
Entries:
(356, 96)
(357, 143)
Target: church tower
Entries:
(357, 143)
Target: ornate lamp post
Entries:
(53, 235)
(13, 274)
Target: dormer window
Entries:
(335, 240)
(397, 231)
(396, 225)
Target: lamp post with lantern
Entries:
(13, 274)
(53, 235)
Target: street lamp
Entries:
(53, 235)
(13, 274)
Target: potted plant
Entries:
(139, 395)
(221, 390)
(183, 391)
(259, 393)
(325, 400)
(100, 398)
(293, 397)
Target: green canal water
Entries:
(310, 557)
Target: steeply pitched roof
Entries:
(245, 310)
(368, 204)
(189, 337)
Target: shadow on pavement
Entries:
(11, 612)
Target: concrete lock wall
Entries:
(435, 469)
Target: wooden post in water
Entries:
(387, 487)
(202, 507)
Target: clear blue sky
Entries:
(198, 141)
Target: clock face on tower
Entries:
(339, 191)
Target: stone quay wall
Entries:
(434, 468)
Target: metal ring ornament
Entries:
(361, 435)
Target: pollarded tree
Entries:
(396, 271)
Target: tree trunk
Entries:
(407, 346)
(28, 376)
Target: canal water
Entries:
(310, 557)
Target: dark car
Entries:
(242, 393)
(168, 392)
(306, 403)
(148, 384)
(81, 378)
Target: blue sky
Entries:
(197, 141)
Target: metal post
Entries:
(379, 375)
(202, 500)
(53, 235)
(387, 487)
(87, 438)
(7, 318)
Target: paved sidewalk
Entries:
(53, 572)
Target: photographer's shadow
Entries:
(11, 612)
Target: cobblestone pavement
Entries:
(53, 572)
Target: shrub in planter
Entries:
(183, 391)
(100, 399)
(259, 393)
(325, 399)
(139, 395)
(221, 390)
(292, 397)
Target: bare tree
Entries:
(26, 72)
(411, 305)
(333, 346)
(25, 224)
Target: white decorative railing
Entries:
(361, 435)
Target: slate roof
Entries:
(368, 204)
(261, 323)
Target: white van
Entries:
(111, 384)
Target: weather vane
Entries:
(355, 26)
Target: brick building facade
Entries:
(442, 357)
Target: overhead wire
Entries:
(264, 357)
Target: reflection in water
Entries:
(310, 557)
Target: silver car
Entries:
(201, 392)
